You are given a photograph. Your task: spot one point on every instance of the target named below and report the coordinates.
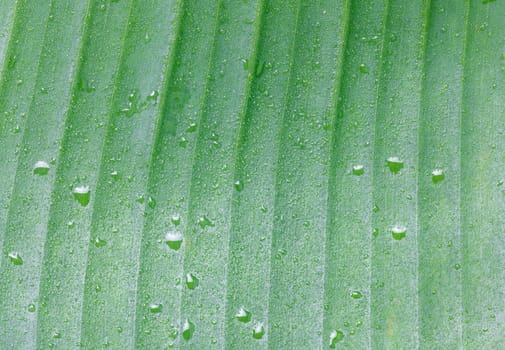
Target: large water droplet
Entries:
(258, 331)
(174, 240)
(192, 281)
(437, 175)
(155, 308)
(243, 315)
(335, 337)
(41, 168)
(188, 328)
(15, 258)
(399, 232)
(82, 194)
(394, 164)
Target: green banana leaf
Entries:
(252, 174)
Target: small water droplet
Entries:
(56, 335)
(174, 240)
(192, 281)
(399, 232)
(153, 96)
(260, 67)
(363, 68)
(358, 170)
(437, 175)
(155, 308)
(356, 294)
(151, 202)
(204, 221)
(192, 127)
(32, 308)
(239, 186)
(176, 219)
(394, 164)
(335, 337)
(243, 315)
(82, 194)
(173, 332)
(41, 168)
(457, 266)
(258, 331)
(188, 328)
(15, 258)
(99, 242)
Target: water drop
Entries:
(151, 202)
(15, 258)
(99, 242)
(204, 221)
(192, 127)
(457, 266)
(243, 315)
(155, 308)
(335, 337)
(41, 168)
(192, 281)
(174, 240)
(363, 68)
(356, 294)
(437, 175)
(258, 331)
(82, 194)
(399, 232)
(239, 186)
(176, 219)
(188, 329)
(394, 164)
(31, 308)
(260, 67)
(153, 96)
(358, 170)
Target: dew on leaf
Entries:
(41, 168)
(394, 164)
(15, 258)
(192, 281)
(358, 170)
(239, 186)
(258, 331)
(437, 175)
(82, 195)
(188, 328)
(335, 337)
(356, 294)
(243, 315)
(176, 219)
(173, 239)
(99, 242)
(204, 221)
(399, 232)
(155, 308)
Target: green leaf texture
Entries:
(252, 174)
